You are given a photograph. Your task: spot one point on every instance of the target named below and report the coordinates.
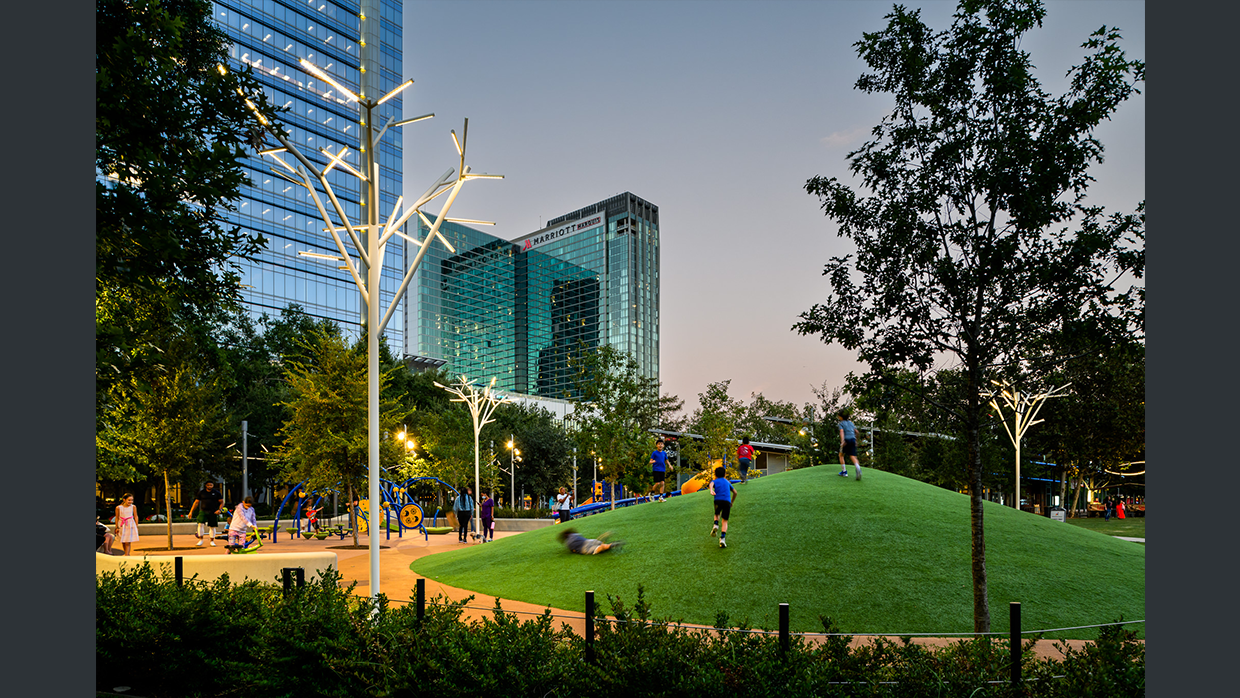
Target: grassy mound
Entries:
(887, 554)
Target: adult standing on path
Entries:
(208, 503)
(127, 523)
(848, 444)
(744, 454)
(724, 494)
(658, 463)
(463, 507)
(486, 511)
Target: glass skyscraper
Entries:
(519, 311)
(270, 36)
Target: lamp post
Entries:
(481, 404)
(245, 455)
(371, 246)
(1024, 408)
(514, 457)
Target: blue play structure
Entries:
(393, 497)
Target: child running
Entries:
(577, 543)
(658, 464)
(724, 494)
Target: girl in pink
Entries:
(127, 523)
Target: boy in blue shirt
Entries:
(658, 461)
(724, 493)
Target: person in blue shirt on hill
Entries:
(658, 461)
(723, 491)
(848, 444)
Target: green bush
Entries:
(323, 640)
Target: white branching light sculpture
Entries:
(481, 404)
(1024, 409)
(369, 237)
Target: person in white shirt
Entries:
(243, 519)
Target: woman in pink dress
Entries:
(127, 523)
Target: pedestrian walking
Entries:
(744, 454)
(463, 507)
(127, 523)
(208, 503)
(724, 493)
(848, 444)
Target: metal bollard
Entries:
(589, 627)
(288, 573)
(784, 640)
(1014, 633)
(421, 599)
(178, 567)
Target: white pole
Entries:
(245, 478)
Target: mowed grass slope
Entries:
(887, 554)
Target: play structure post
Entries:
(421, 595)
(178, 566)
(783, 630)
(1014, 635)
(589, 627)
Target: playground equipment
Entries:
(397, 511)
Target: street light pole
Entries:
(245, 445)
(1024, 408)
(481, 405)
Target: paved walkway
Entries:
(398, 581)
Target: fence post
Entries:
(1014, 630)
(179, 570)
(287, 574)
(783, 630)
(421, 598)
(589, 627)
(300, 574)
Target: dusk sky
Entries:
(718, 113)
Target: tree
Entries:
(160, 421)
(973, 237)
(715, 421)
(170, 132)
(546, 448)
(619, 408)
(325, 440)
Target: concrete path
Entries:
(398, 581)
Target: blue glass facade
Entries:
(270, 36)
(520, 310)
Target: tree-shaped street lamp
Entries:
(514, 457)
(481, 404)
(369, 237)
(1024, 409)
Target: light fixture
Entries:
(310, 68)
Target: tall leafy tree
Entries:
(325, 440)
(619, 407)
(972, 235)
(715, 420)
(170, 132)
(161, 421)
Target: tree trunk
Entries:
(168, 508)
(981, 601)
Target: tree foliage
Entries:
(973, 236)
(325, 441)
(715, 420)
(170, 133)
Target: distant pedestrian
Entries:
(127, 523)
(658, 464)
(848, 444)
(1107, 504)
(1119, 509)
(744, 454)
(208, 503)
(724, 493)
(243, 519)
(486, 510)
(564, 504)
(577, 543)
(463, 507)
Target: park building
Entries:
(521, 310)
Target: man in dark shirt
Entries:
(208, 503)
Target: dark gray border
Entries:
(1191, 381)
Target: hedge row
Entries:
(218, 639)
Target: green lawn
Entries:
(1131, 527)
(887, 554)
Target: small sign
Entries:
(1058, 514)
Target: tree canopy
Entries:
(972, 236)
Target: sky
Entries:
(716, 112)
